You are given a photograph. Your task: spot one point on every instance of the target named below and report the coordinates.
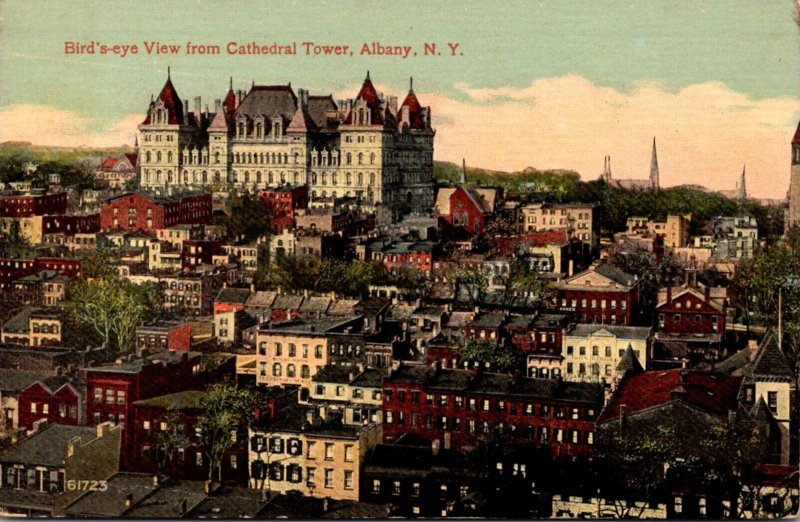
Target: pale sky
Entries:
(548, 84)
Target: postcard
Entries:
(412, 259)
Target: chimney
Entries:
(707, 293)
(185, 110)
(302, 98)
(217, 105)
(669, 292)
(405, 118)
(128, 501)
(197, 105)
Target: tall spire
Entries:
(742, 186)
(167, 72)
(463, 179)
(411, 84)
(367, 74)
(230, 84)
(654, 181)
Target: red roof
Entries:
(710, 392)
(133, 158)
(169, 96)
(229, 102)
(369, 95)
(414, 111)
(775, 475)
(796, 139)
(109, 163)
(505, 244)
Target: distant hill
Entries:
(21, 151)
(556, 181)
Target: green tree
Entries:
(97, 263)
(489, 355)
(226, 409)
(112, 308)
(169, 441)
(249, 218)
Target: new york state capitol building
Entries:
(369, 147)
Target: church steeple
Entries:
(742, 186)
(654, 181)
(463, 177)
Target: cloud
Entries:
(705, 132)
(44, 125)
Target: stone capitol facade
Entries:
(368, 147)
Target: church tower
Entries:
(742, 186)
(162, 138)
(654, 181)
(793, 213)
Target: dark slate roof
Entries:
(167, 500)
(12, 381)
(111, 502)
(369, 378)
(771, 361)
(621, 332)
(615, 274)
(318, 107)
(489, 320)
(315, 304)
(174, 401)
(295, 420)
(287, 302)
(467, 381)
(233, 295)
(334, 374)
(760, 412)
(230, 503)
(19, 322)
(136, 365)
(629, 364)
(550, 320)
(47, 447)
(269, 100)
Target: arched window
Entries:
(276, 369)
(169, 156)
(296, 158)
(372, 178)
(147, 156)
(290, 370)
(360, 158)
(360, 178)
(349, 179)
(216, 157)
(372, 158)
(349, 158)
(158, 156)
(205, 177)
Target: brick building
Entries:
(69, 225)
(456, 407)
(200, 251)
(27, 205)
(466, 208)
(111, 390)
(602, 294)
(163, 336)
(58, 399)
(150, 212)
(282, 202)
(13, 269)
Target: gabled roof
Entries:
(172, 102)
(770, 361)
(712, 393)
(233, 295)
(47, 447)
(370, 96)
(679, 291)
(301, 121)
(760, 412)
(219, 123)
(319, 107)
(618, 331)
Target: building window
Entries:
(395, 487)
(678, 505)
(348, 479)
(328, 478)
(348, 453)
(376, 486)
(772, 401)
(328, 451)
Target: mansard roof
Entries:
(219, 123)
(172, 102)
(302, 121)
(319, 107)
(269, 100)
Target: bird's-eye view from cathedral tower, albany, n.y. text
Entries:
(411, 259)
